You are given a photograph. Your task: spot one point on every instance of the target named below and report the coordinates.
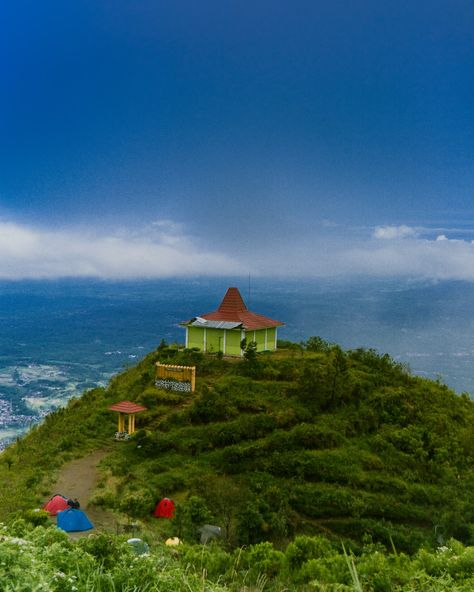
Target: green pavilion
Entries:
(224, 329)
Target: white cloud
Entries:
(394, 232)
(164, 250)
(27, 252)
(439, 258)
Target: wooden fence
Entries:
(176, 378)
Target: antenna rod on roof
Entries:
(248, 296)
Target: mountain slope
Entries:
(307, 440)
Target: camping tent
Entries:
(209, 532)
(73, 520)
(139, 546)
(164, 508)
(56, 504)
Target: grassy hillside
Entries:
(310, 440)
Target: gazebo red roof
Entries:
(127, 407)
(233, 309)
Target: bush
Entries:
(254, 522)
(153, 396)
(236, 459)
(106, 548)
(210, 559)
(260, 559)
(318, 501)
(152, 443)
(315, 436)
(191, 515)
(137, 505)
(384, 573)
(212, 406)
(104, 499)
(36, 517)
(169, 482)
(317, 344)
(303, 548)
(246, 427)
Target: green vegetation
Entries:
(293, 454)
(46, 559)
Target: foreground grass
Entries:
(45, 559)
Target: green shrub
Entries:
(317, 344)
(316, 437)
(303, 548)
(210, 559)
(254, 522)
(36, 517)
(169, 482)
(330, 572)
(104, 499)
(260, 559)
(106, 548)
(212, 405)
(138, 504)
(191, 516)
(236, 459)
(320, 501)
(153, 443)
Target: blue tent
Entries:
(73, 520)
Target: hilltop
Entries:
(307, 440)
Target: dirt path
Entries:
(78, 479)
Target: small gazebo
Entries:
(126, 408)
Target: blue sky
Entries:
(314, 138)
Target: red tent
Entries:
(164, 508)
(56, 504)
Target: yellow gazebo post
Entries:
(126, 408)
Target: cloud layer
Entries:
(27, 252)
(388, 251)
(163, 250)
(439, 258)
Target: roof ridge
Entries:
(232, 309)
(232, 302)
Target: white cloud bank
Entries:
(163, 250)
(390, 251)
(29, 253)
(439, 258)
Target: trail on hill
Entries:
(78, 479)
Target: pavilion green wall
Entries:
(228, 340)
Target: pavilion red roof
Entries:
(233, 309)
(127, 407)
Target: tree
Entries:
(251, 365)
(317, 344)
(250, 352)
(190, 516)
(314, 385)
(224, 495)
